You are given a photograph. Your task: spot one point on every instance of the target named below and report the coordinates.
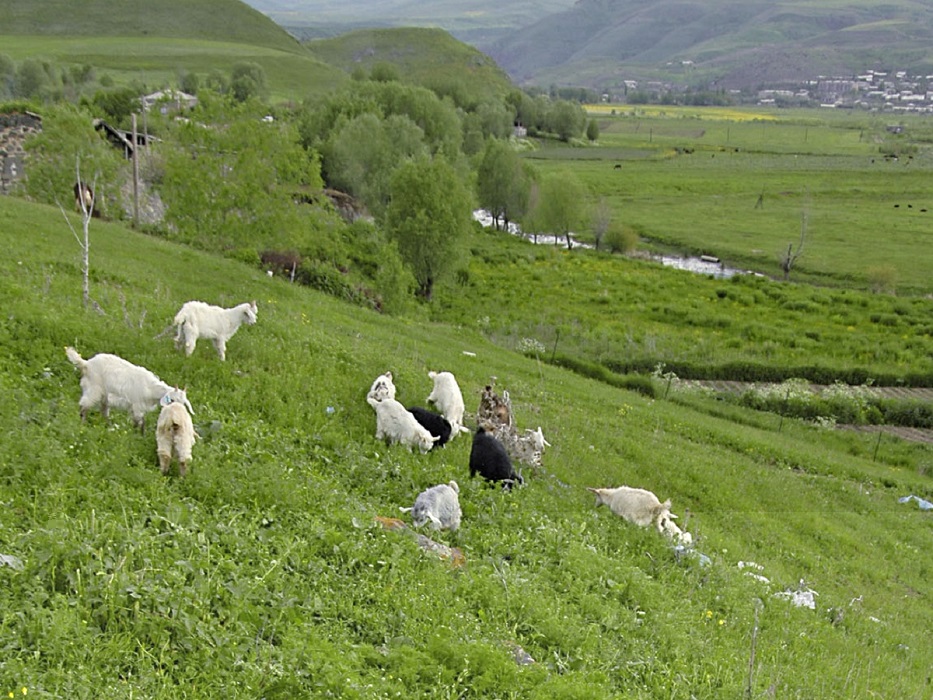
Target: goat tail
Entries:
(75, 358)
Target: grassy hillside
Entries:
(208, 20)
(737, 44)
(153, 43)
(264, 574)
(422, 56)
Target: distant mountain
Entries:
(727, 43)
(473, 21)
(703, 43)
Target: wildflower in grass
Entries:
(709, 614)
(531, 346)
(624, 409)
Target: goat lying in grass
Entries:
(109, 381)
(174, 434)
(196, 320)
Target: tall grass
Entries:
(262, 574)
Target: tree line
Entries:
(249, 179)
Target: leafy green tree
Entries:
(524, 108)
(190, 83)
(502, 183)
(218, 82)
(566, 119)
(383, 72)
(592, 130)
(248, 80)
(31, 78)
(429, 217)
(68, 138)
(361, 157)
(117, 105)
(232, 187)
(563, 206)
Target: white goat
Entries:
(110, 381)
(196, 320)
(440, 505)
(669, 527)
(174, 433)
(636, 505)
(395, 423)
(447, 397)
(382, 388)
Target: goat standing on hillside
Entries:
(174, 433)
(199, 320)
(110, 381)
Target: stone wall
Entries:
(15, 128)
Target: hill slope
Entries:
(740, 44)
(473, 20)
(210, 20)
(264, 574)
(423, 56)
(152, 42)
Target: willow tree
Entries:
(429, 216)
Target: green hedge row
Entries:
(753, 372)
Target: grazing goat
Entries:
(437, 425)
(489, 459)
(496, 414)
(494, 409)
(196, 320)
(174, 433)
(637, 506)
(396, 424)
(440, 505)
(447, 397)
(110, 381)
(382, 388)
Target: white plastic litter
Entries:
(11, 561)
(923, 503)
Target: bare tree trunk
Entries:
(87, 211)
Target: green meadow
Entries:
(744, 185)
(264, 574)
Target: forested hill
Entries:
(208, 20)
(740, 43)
